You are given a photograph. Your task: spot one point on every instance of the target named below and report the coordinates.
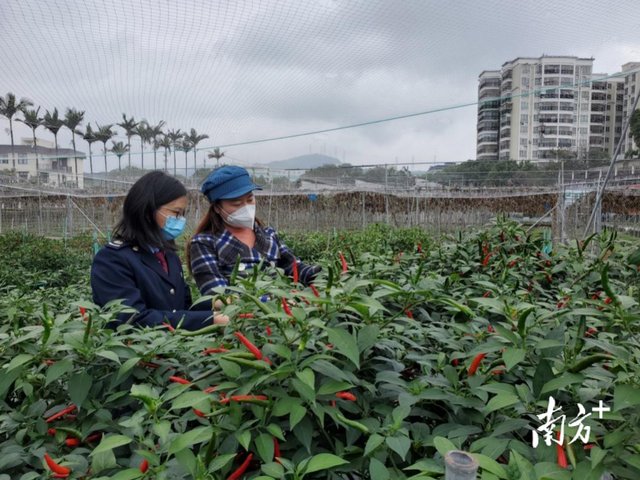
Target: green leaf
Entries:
(273, 469)
(562, 381)
(443, 445)
(284, 406)
(109, 443)
(307, 377)
(265, 447)
(221, 461)
(543, 375)
(625, 396)
(79, 386)
(512, 357)
(490, 465)
(377, 470)
(108, 354)
(19, 360)
(374, 442)
(128, 365)
(103, 461)
(189, 400)
(367, 337)
(323, 461)
(297, 413)
(400, 413)
(304, 390)
(332, 386)
(502, 400)
(192, 437)
(345, 344)
(128, 474)
(162, 430)
(244, 438)
(551, 471)
(57, 370)
(399, 444)
(230, 369)
(275, 430)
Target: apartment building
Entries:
(548, 104)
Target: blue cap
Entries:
(228, 182)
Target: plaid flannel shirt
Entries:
(213, 257)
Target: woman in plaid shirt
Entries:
(230, 228)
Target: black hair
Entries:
(138, 224)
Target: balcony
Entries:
(552, 69)
(490, 83)
(507, 87)
(490, 93)
(597, 118)
(598, 97)
(565, 132)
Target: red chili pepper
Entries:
(268, 331)
(590, 446)
(420, 247)
(549, 279)
(210, 389)
(512, 264)
(562, 457)
(548, 263)
(305, 300)
(49, 362)
(315, 290)
(497, 372)
(455, 362)
(295, 272)
(590, 331)
(344, 263)
(242, 398)
(485, 249)
(346, 396)
(199, 413)
(145, 466)
(240, 471)
(51, 431)
(180, 380)
(250, 346)
(488, 294)
(409, 314)
(72, 442)
(214, 350)
(60, 475)
(502, 235)
(517, 238)
(333, 403)
(61, 413)
(169, 327)
(485, 262)
(286, 308)
(607, 301)
(54, 466)
(246, 315)
(83, 313)
(94, 437)
(490, 329)
(329, 345)
(476, 362)
(276, 449)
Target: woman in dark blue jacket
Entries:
(140, 265)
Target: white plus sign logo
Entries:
(601, 409)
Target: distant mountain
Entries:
(306, 162)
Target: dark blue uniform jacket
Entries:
(134, 274)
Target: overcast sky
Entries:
(247, 70)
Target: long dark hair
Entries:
(211, 223)
(138, 224)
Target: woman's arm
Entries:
(204, 266)
(112, 279)
(306, 273)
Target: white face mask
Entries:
(243, 217)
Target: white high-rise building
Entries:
(631, 90)
(549, 105)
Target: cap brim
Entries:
(240, 192)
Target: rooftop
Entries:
(44, 151)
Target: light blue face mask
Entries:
(174, 227)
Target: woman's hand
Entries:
(218, 304)
(221, 319)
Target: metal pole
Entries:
(611, 165)
(386, 194)
(364, 218)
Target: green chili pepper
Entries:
(249, 363)
(262, 306)
(87, 329)
(257, 270)
(582, 329)
(522, 322)
(588, 361)
(330, 279)
(202, 331)
(246, 355)
(606, 285)
(351, 423)
(571, 454)
(47, 332)
(234, 273)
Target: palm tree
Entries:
(32, 121)
(8, 108)
(129, 125)
(142, 130)
(175, 136)
(54, 123)
(217, 154)
(154, 133)
(119, 148)
(89, 136)
(195, 139)
(186, 147)
(104, 134)
(72, 120)
(164, 142)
